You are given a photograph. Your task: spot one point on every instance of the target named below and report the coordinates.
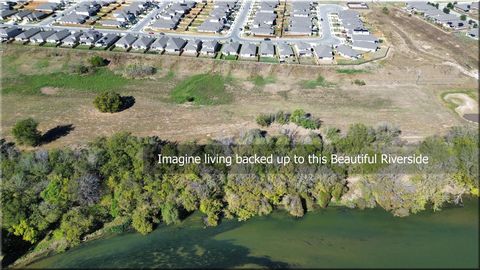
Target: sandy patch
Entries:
(50, 90)
(466, 104)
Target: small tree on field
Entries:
(463, 17)
(97, 61)
(108, 102)
(446, 10)
(26, 133)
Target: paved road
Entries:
(234, 33)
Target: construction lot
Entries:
(404, 89)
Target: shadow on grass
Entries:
(56, 133)
(127, 102)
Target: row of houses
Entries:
(126, 14)
(219, 17)
(171, 16)
(176, 45)
(24, 15)
(355, 35)
(432, 13)
(301, 19)
(263, 19)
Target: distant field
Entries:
(38, 82)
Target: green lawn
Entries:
(202, 89)
(269, 59)
(101, 80)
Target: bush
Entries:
(282, 118)
(359, 82)
(139, 71)
(79, 69)
(108, 102)
(385, 10)
(264, 120)
(446, 10)
(97, 61)
(302, 119)
(26, 133)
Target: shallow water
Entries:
(334, 237)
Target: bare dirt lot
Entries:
(403, 89)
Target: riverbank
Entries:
(332, 237)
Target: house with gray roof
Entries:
(365, 38)
(159, 44)
(58, 36)
(48, 7)
(211, 27)
(90, 37)
(303, 49)
(19, 16)
(192, 47)
(175, 45)
(25, 36)
(35, 16)
(267, 49)
(5, 13)
(231, 48)
(248, 50)
(107, 40)
(72, 18)
(209, 47)
(347, 52)
(72, 40)
(262, 31)
(143, 43)
(126, 41)
(323, 52)
(7, 33)
(284, 51)
(41, 36)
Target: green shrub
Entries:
(26, 133)
(282, 118)
(385, 10)
(108, 102)
(79, 69)
(97, 61)
(359, 82)
(302, 119)
(264, 120)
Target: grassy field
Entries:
(202, 89)
(350, 71)
(402, 90)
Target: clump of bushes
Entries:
(108, 102)
(80, 69)
(298, 117)
(139, 71)
(303, 119)
(97, 61)
(26, 132)
(359, 82)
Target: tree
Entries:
(97, 61)
(108, 102)
(446, 10)
(26, 133)
(75, 223)
(385, 10)
(463, 17)
(449, 6)
(170, 214)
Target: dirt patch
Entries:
(50, 90)
(465, 103)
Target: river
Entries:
(332, 237)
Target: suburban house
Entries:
(5, 13)
(58, 36)
(347, 52)
(112, 23)
(72, 40)
(25, 36)
(248, 50)
(365, 38)
(231, 48)
(107, 40)
(303, 49)
(90, 37)
(323, 52)
(142, 43)
(267, 49)
(48, 7)
(159, 44)
(192, 47)
(365, 46)
(285, 51)
(72, 18)
(7, 33)
(41, 36)
(175, 45)
(211, 27)
(209, 48)
(126, 41)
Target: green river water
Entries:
(333, 237)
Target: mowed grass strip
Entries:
(101, 80)
(202, 89)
